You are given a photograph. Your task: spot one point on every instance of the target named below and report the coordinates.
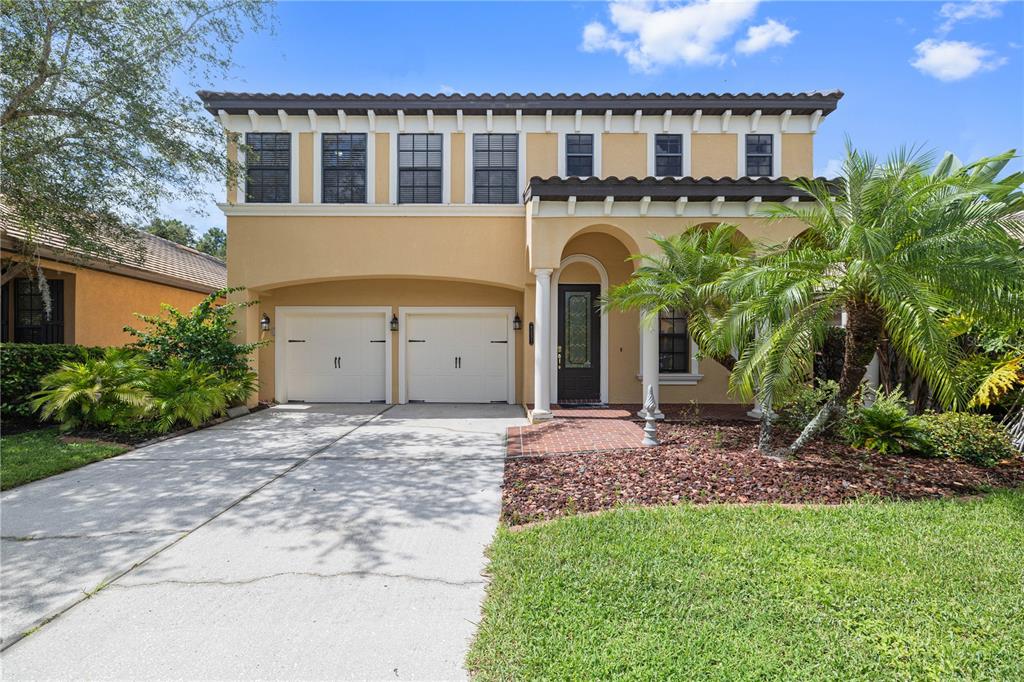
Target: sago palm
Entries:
(900, 246)
(185, 392)
(682, 278)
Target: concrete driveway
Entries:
(301, 542)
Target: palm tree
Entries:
(901, 247)
(682, 278)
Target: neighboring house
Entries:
(453, 247)
(93, 299)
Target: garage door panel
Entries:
(480, 343)
(336, 360)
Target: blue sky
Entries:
(949, 76)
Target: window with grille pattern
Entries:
(419, 168)
(579, 155)
(31, 324)
(673, 342)
(759, 155)
(495, 168)
(668, 155)
(268, 168)
(343, 172)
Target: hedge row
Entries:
(22, 365)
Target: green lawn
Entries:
(32, 455)
(925, 590)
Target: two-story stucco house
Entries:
(452, 248)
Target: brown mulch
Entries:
(719, 463)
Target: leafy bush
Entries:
(204, 336)
(25, 364)
(885, 426)
(965, 436)
(120, 392)
(797, 408)
(184, 392)
(98, 392)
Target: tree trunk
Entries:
(863, 332)
(764, 439)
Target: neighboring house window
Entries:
(668, 155)
(579, 155)
(5, 318)
(495, 168)
(343, 173)
(759, 155)
(30, 322)
(673, 343)
(419, 168)
(268, 168)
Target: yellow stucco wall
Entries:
(714, 155)
(624, 155)
(541, 155)
(98, 303)
(458, 168)
(797, 155)
(382, 142)
(305, 168)
(384, 292)
(269, 251)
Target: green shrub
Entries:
(96, 393)
(202, 337)
(966, 436)
(185, 392)
(885, 426)
(25, 364)
(797, 408)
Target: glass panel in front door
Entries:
(577, 329)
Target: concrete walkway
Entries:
(302, 542)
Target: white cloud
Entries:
(448, 89)
(651, 35)
(953, 60)
(955, 12)
(833, 169)
(766, 35)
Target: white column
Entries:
(542, 347)
(651, 367)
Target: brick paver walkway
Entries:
(577, 430)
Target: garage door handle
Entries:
(499, 341)
(376, 340)
(296, 340)
(417, 340)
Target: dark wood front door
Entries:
(579, 343)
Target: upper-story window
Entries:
(268, 168)
(673, 342)
(759, 155)
(668, 155)
(579, 155)
(343, 175)
(419, 168)
(495, 168)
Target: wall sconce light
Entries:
(394, 322)
(265, 323)
(517, 322)
(531, 333)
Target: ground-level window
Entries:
(668, 155)
(579, 155)
(759, 155)
(31, 324)
(419, 168)
(495, 168)
(268, 168)
(343, 172)
(673, 342)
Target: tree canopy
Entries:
(95, 127)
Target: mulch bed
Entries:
(716, 463)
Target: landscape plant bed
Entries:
(719, 463)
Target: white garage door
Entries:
(457, 358)
(336, 357)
